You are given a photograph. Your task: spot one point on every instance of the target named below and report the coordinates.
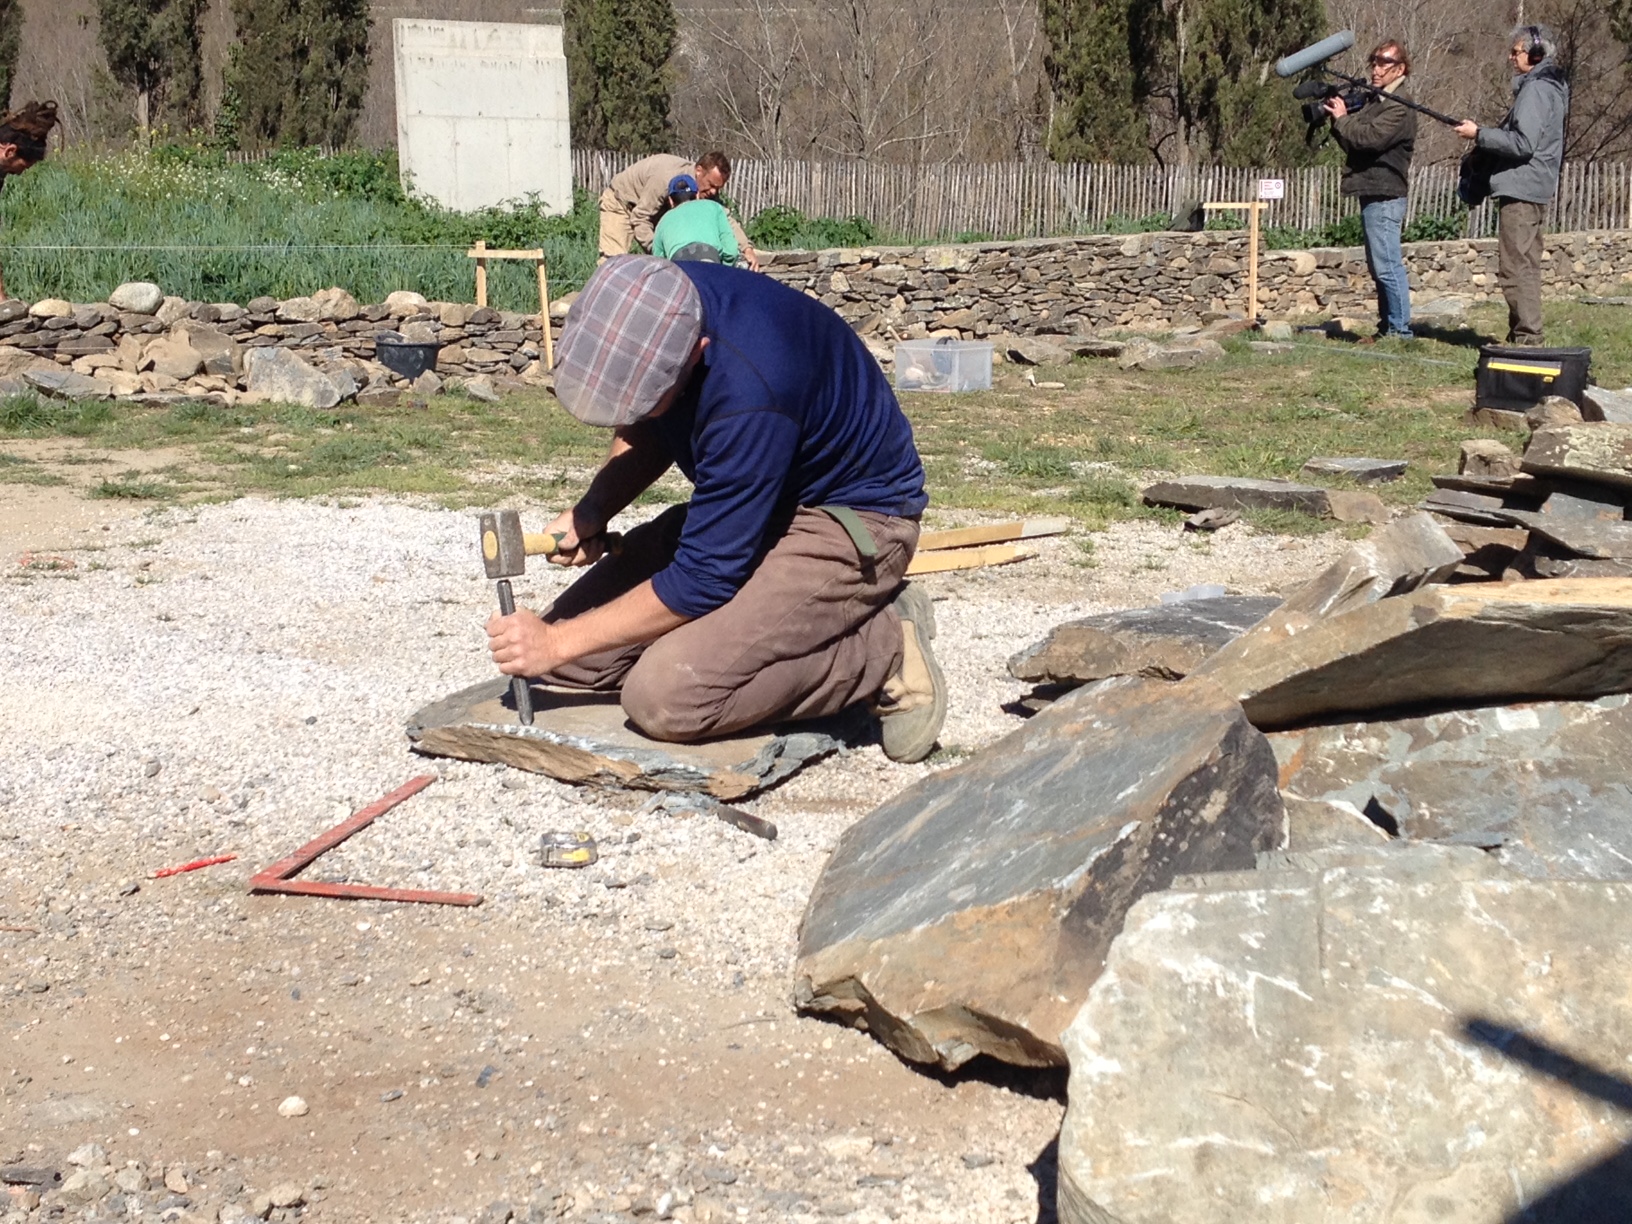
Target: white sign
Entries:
(482, 113)
(1272, 189)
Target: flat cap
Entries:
(626, 340)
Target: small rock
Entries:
(1365, 471)
(406, 302)
(175, 1177)
(847, 1147)
(428, 384)
(130, 1179)
(481, 388)
(1553, 410)
(1487, 459)
(233, 1213)
(977, 1160)
(667, 953)
(391, 1094)
(659, 924)
(129, 888)
(88, 1155)
(293, 1107)
(51, 308)
(137, 297)
(1211, 519)
(171, 311)
(1597, 404)
(85, 1186)
(286, 1194)
(1277, 330)
(720, 1175)
(151, 769)
(261, 1206)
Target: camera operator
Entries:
(1523, 153)
(1377, 141)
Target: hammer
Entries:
(505, 549)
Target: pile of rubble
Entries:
(317, 350)
(1325, 908)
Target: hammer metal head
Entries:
(504, 552)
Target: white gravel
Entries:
(234, 678)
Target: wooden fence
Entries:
(1037, 199)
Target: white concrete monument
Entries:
(482, 113)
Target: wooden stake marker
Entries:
(481, 255)
(1254, 210)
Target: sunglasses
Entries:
(1382, 61)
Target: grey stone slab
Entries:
(1165, 642)
(584, 738)
(970, 914)
(1599, 404)
(65, 384)
(1372, 1044)
(1471, 644)
(1239, 493)
(1600, 453)
(1599, 539)
(1545, 786)
(1365, 471)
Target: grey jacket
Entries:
(1527, 147)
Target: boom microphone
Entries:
(1295, 63)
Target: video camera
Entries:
(1315, 94)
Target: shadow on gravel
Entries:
(1038, 1083)
(1045, 1171)
(1461, 336)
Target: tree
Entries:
(11, 41)
(1092, 66)
(618, 72)
(154, 48)
(299, 71)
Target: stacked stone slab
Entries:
(152, 339)
(1158, 281)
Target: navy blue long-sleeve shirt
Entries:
(787, 408)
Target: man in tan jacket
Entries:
(636, 197)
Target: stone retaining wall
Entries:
(1157, 281)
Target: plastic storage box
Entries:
(943, 365)
(1514, 378)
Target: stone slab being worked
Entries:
(1472, 644)
(970, 914)
(585, 739)
(1251, 493)
(1365, 471)
(1384, 1044)
(1543, 786)
(1165, 642)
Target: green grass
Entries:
(1082, 452)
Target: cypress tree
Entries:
(1093, 71)
(617, 72)
(299, 71)
(153, 48)
(11, 42)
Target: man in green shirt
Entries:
(693, 228)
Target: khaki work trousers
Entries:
(617, 226)
(809, 633)
(1518, 267)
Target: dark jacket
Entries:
(1378, 140)
(1526, 149)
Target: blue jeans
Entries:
(1381, 222)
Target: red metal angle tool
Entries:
(278, 877)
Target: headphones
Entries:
(1535, 52)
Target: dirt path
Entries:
(608, 1045)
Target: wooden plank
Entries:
(480, 251)
(994, 533)
(944, 560)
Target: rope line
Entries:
(262, 248)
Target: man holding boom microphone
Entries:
(1377, 141)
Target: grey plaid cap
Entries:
(626, 340)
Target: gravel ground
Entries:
(594, 1045)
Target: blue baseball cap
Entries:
(682, 183)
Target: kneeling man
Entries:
(776, 592)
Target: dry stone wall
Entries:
(1156, 281)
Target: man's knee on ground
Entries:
(665, 700)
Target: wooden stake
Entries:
(481, 272)
(544, 316)
(1254, 209)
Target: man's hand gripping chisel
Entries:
(505, 549)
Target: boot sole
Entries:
(914, 604)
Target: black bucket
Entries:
(404, 357)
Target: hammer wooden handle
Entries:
(548, 543)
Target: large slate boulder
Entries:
(1473, 644)
(970, 914)
(1402, 1043)
(1165, 642)
(278, 375)
(1542, 786)
(1600, 404)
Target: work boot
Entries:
(912, 704)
